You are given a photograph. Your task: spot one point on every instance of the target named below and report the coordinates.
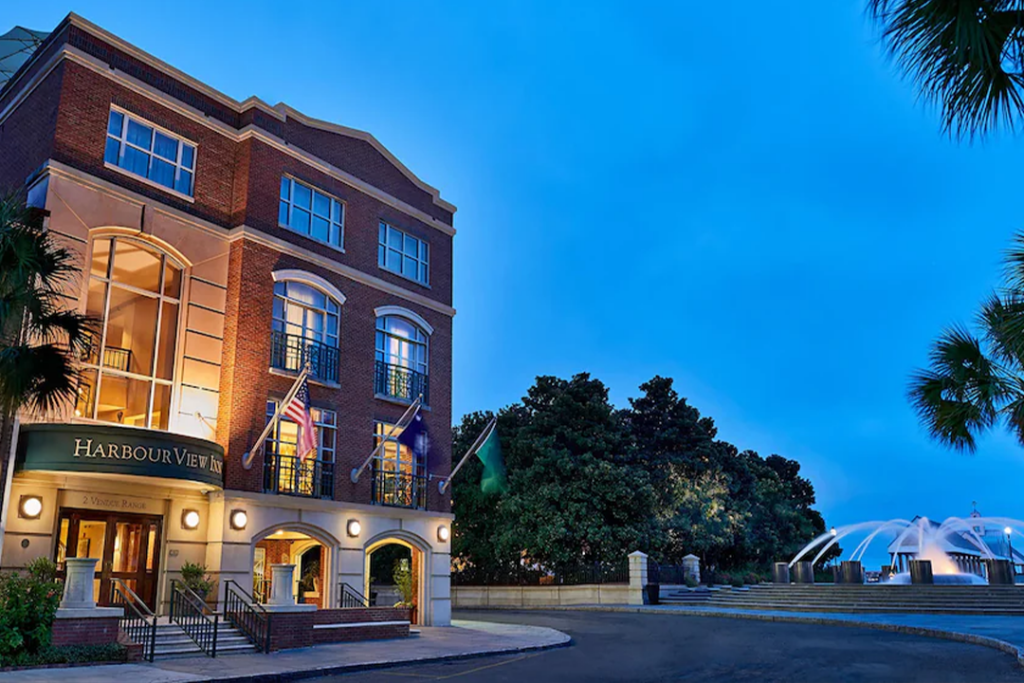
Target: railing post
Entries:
(216, 619)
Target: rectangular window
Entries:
(403, 254)
(283, 472)
(147, 152)
(311, 213)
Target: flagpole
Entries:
(443, 484)
(248, 458)
(414, 408)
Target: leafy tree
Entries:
(975, 382)
(967, 56)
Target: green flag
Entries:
(493, 480)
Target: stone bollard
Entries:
(691, 568)
(921, 572)
(1000, 572)
(851, 571)
(803, 572)
(780, 573)
(78, 585)
(282, 598)
(637, 577)
(78, 620)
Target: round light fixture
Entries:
(443, 533)
(30, 507)
(1008, 531)
(832, 531)
(239, 519)
(189, 519)
(353, 528)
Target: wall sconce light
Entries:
(189, 519)
(238, 519)
(30, 507)
(443, 533)
(354, 528)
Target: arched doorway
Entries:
(395, 573)
(307, 548)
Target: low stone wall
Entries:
(317, 627)
(534, 596)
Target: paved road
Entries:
(644, 647)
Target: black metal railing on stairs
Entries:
(138, 621)
(350, 597)
(194, 616)
(247, 615)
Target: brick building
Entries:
(223, 245)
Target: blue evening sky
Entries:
(744, 196)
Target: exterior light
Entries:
(1007, 531)
(353, 528)
(30, 507)
(443, 533)
(239, 519)
(832, 531)
(189, 519)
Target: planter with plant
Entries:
(195, 577)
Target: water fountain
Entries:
(973, 551)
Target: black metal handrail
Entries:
(291, 352)
(399, 489)
(288, 475)
(138, 621)
(247, 615)
(400, 382)
(194, 616)
(350, 597)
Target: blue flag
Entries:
(417, 439)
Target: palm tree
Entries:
(967, 56)
(975, 382)
(40, 336)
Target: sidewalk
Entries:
(1005, 633)
(464, 639)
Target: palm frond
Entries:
(1001, 318)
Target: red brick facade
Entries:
(95, 631)
(297, 629)
(242, 153)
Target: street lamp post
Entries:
(1009, 543)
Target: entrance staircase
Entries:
(872, 598)
(172, 641)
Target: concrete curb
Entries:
(283, 676)
(970, 638)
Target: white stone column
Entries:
(691, 567)
(637, 577)
(282, 597)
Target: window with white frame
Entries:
(311, 213)
(401, 342)
(283, 473)
(305, 328)
(144, 150)
(403, 254)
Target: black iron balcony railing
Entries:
(286, 474)
(399, 489)
(396, 381)
(290, 352)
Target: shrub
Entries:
(195, 577)
(402, 577)
(70, 654)
(751, 579)
(736, 582)
(28, 603)
(691, 582)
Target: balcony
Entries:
(285, 474)
(395, 381)
(290, 352)
(399, 489)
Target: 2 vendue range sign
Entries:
(119, 450)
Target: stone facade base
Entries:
(85, 631)
(302, 629)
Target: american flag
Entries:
(298, 410)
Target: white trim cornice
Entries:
(311, 279)
(415, 317)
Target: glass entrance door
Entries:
(127, 547)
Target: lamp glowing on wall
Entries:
(30, 507)
(443, 533)
(353, 528)
(189, 519)
(238, 519)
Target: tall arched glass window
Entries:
(401, 359)
(135, 290)
(305, 327)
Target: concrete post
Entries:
(1000, 572)
(281, 594)
(921, 572)
(803, 572)
(780, 573)
(851, 572)
(78, 586)
(637, 577)
(691, 568)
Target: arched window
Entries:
(401, 358)
(135, 290)
(306, 325)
